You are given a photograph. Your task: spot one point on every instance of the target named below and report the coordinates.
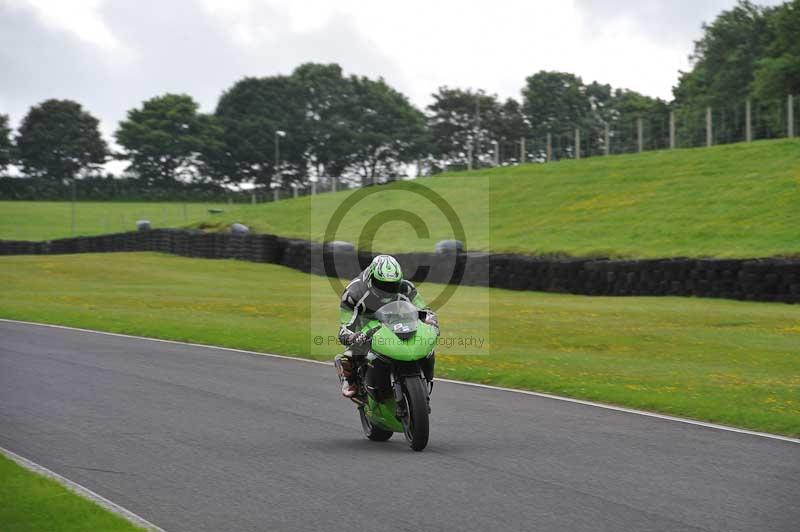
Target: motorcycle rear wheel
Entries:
(416, 424)
(371, 431)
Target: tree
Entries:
(387, 130)
(6, 147)
(326, 94)
(511, 125)
(604, 110)
(164, 139)
(558, 103)
(723, 65)
(778, 72)
(554, 102)
(463, 121)
(452, 122)
(724, 57)
(622, 112)
(250, 114)
(57, 139)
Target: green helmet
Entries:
(385, 274)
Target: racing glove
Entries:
(356, 338)
(431, 319)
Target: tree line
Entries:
(319, 123)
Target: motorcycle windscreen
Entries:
(398, 316)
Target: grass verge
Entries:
(730, 362)
(47, 220)
(32, 503)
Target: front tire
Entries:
(416, 424)
(371, 431)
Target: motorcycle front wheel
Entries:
(416, 426)
(371, 431)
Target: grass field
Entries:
(33, 503)
(724, 361)
(44, 220)
(740, 200)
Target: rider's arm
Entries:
(413, 296)
(348, 316)
(425, 313)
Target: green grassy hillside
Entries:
(44, 220)
(726, 361)
(740, 200)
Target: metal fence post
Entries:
(577, 143)
(74, 194)
(469, 158)
(790, 116)
(640, 134)
(748, 121)
(709, 126)
(496, 152)
(672, 130)
(522, 150)
(275, 194)
(334, 181)
(549, 147)
(607, 146)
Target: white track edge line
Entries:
(626, 410)
(83, 491)
(177, 342)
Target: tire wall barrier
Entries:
(747, 279)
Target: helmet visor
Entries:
(390, 287)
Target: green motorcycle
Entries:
(396, 378)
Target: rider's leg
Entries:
(345, 368)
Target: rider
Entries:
(381, 283)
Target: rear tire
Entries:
(371, 431)
(416, 423)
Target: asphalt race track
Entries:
(197, 439)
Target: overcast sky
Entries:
(111, 55)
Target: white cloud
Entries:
(622, 54)
(112, 55)
(492, 46)
(77, 17)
